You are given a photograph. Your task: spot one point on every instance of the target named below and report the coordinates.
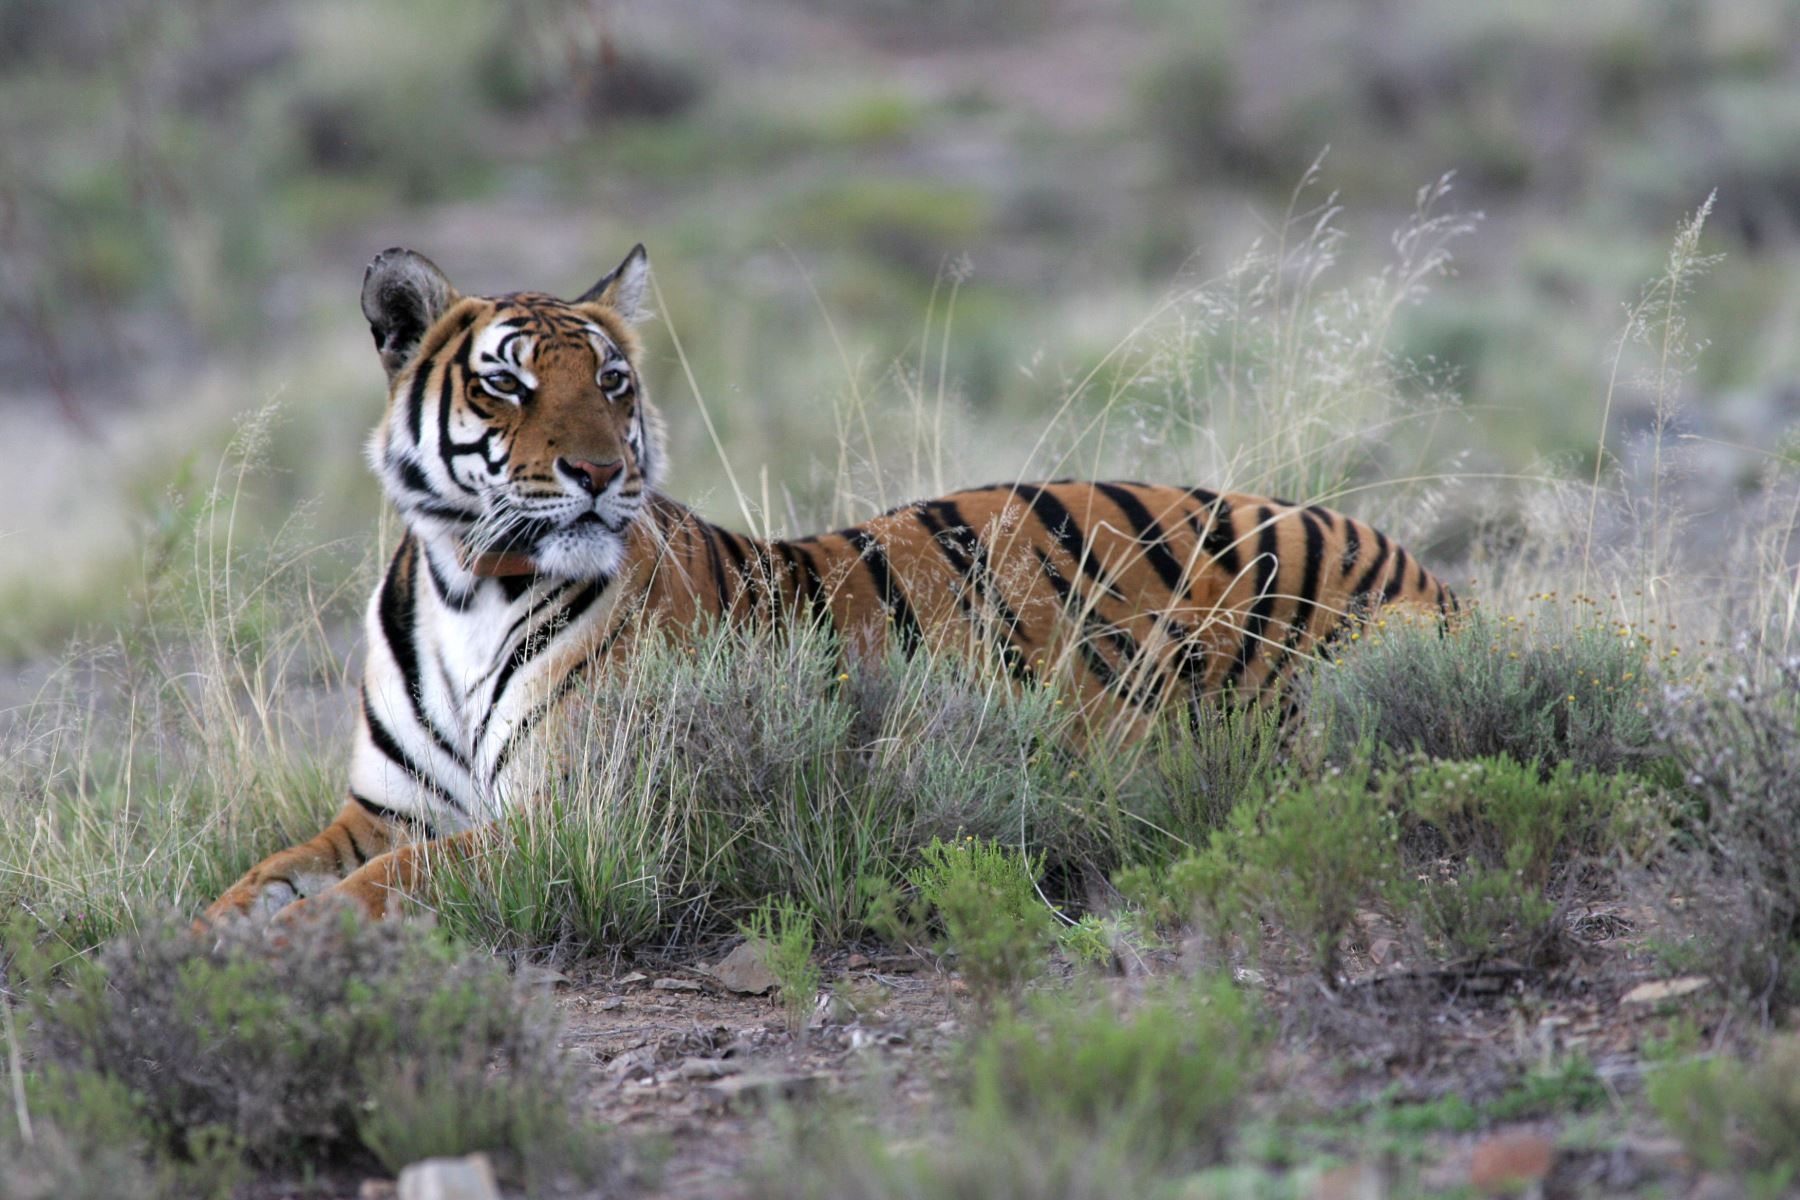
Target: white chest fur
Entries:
(449, 687)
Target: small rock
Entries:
(1658, 990)
(707, 1068)
(610, 1003)
(377, 1189)
(1250, 977)
(1508, 1161)
(1352, 1181)
(470, 1178)
(634, 978)
(830, 1009)
(633, 1064)
(862, 1037)
(760, 1091)
(677, 985)
(745, 969)
(857, 962)
(534, 975)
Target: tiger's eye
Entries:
(610, 380)
(502, 381)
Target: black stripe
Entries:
(1369, 576)
(1074, 602)
(449, 449)
(384, 742)
(535, 641)
(763, 578)
(1307, 601)
(1395, 584)
(710, 536)
(1352, 547)
(562, 688)
(1256, 629)
(741, 582)
(805, 588)
(449, 595)
(383, 813)
(1149, 533)
(396, 606)
(1217, 535)
(816, 599)
(412, 475)
(969, 559)
(906, 625)
(415, 401)
(1060, 524)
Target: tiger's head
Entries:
(517, 436)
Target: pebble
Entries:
(470, 1178)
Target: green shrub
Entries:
(1305, 859)
(1081, 1096)
(721, 770)
(984, 895)
(1738, 1117)
(1473, 857)
(351, 1038)
(1568, 1086)
(785, 934)
(1738, 742)
(836, 1159)
(1162, 1080)
(1558, 687)
(1169, 794)
(729, 767)
(1509, 843)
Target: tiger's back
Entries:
(1136, 593)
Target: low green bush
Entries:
(1560, 686)
(1737, 859)
(785, 934)
(1162, 1079)
(984, 896)
(1497, 850)
(1735, 1116)
(347, 1040)
(1304, 859)
(718, 771)
(1471, 859)
(1081, 1095)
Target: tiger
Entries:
(525, 458)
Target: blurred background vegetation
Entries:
(859, 211)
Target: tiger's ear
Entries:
(403, 295)
(622, 288)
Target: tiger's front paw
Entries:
(258, 896)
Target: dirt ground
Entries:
(698, 1067)
(693, 1074)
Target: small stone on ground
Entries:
(470, 1178)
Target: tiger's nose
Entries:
(592, 477)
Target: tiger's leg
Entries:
(354, 838)
(370, 888)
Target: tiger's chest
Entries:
(450, 690)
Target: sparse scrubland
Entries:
(1222, 958)
(1535, 875)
